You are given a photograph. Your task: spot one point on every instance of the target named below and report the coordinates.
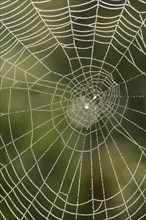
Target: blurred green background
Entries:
(46, 164)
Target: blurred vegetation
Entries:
(35, 130)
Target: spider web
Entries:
(72, 109)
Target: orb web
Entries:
(72, 112)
